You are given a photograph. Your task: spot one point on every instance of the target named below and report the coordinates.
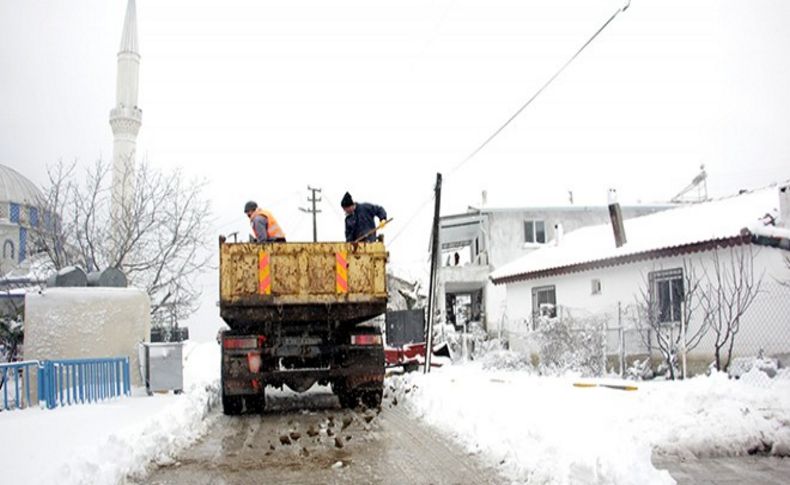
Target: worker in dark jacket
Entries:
(360, 218)
(264, 225)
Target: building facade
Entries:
(476, 243)
(670, 264)
(20, 214)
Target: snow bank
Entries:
(103, 443)
(545, 430)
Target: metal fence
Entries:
(761, 338)
(15, 383)
(63, 382)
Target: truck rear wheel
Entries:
(231, 405)
(372, 398)
(255, 403)
(369, 397)
(364, 379)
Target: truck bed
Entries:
(301, 282)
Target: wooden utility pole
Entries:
(435, 254)
(314, 211)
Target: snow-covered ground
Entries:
(102, 443)
(534, 429)
(546, 430)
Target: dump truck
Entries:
(300, 314)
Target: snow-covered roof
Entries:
(594, 246)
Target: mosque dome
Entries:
(16, 188)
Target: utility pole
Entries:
(314, 211)
(435, 255)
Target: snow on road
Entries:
(531, 429)
(545, 430)
(102, 443)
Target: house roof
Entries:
(685, 229)
(458, 230)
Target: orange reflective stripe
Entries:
(341, 265)
(264, 274)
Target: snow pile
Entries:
(545, 430)
(103, 443)
(745, 365)
(505, 360)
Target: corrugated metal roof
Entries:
(688, 226)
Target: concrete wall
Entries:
(766, 326)
(71, 323)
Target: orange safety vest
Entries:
(274, 231)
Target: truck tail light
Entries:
(254, 362)
(240, 343)
(366, 340)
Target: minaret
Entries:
(126, 117)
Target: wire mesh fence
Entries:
(622, 339)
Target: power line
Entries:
(515, 115)
(540, 90)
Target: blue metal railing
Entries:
(15, 381)
(71, 381)
(77, 381)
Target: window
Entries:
(22, 244)
(8, 249)
(535, 232)
(666, 294)
(13, 213)
(33, 217)
(596, 286)
(544, 302)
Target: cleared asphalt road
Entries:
(738, 470)
(309, 439)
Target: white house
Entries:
(479, 241)
(585, 274)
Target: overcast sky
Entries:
(262, 98)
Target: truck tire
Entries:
(232, 405)
(372, 399)
(348, 399)
(365, 383)
(255, 403)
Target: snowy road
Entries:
(309, 439)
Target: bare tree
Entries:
(731, 288)
(11, 332)
(156, 234)
(681, 332)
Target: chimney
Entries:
(616, 215)
(784, 206)
(484, 199)
(558, 232)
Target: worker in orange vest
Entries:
(264, 225)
